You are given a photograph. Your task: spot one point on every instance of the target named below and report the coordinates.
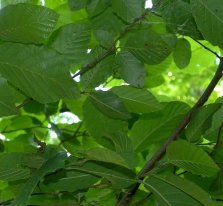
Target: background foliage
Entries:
(91, 89)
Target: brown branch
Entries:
(124, 201)
(112, 48)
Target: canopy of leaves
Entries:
(90, 90)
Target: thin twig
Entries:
(124, 201)
(27, 101)
(208, 49)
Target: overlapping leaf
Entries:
(119, 177)
(157, 126)
(72, 41)
(100, 127)
(109, 104)
(137, 100)
(51, 165)
(191, 158)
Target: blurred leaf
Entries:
(76, 4)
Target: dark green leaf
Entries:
(26, 23)
(127, 9)
(174, 191)
(210, 12)
(72, 41)
(182, 53)
(157, 126)
(148, 46)
(131, 69)
(137, 100)
(100, 127)
(38, 71)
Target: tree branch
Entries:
(124, 201)
(112, 48)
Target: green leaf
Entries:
(131, 69)
(38, 71)
(26, 23)
(7, 106)
(119, 177)
(75, 5)
(128, 10)
(109, 104)
(104, 155)
(137, 100)
(148, 46)
(191, 158)
(51, 165)
(201, 122)
(96, 7)
(182, 53)
(176, 192)
(157, 126)
(104, 125)
(72, 41)
(74, 181)
(210, 12)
